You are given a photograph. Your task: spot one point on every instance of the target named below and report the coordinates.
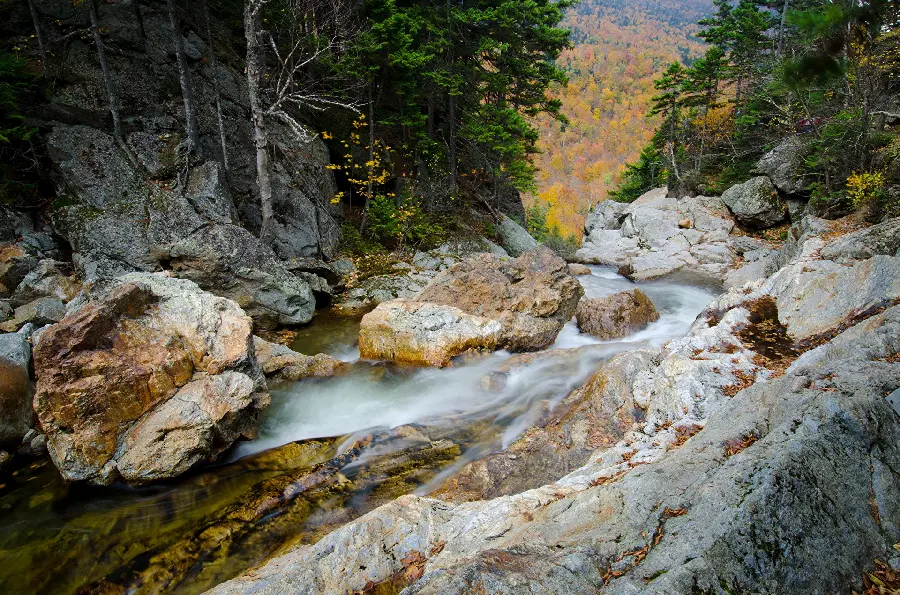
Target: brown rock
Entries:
(578, 269)
(424, 334)
(686, 224)
(282, 363)
(146, 381)
(532, 296)
(616, 316)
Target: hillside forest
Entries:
(618, 48)
(819, 79)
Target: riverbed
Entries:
(328, 451)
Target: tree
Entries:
(184, 78)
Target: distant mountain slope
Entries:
(620, 45)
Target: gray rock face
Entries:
(648, 240)
(149, 93)
(608, 214)
(40, 312)
(515, 239)
(784, 486)
(16, 389)
(13, 224)
(782, 166)
(883, 238)
(181, 386)
(755, 203)
(48, 279)
(229, 261)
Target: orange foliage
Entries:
(620, 47)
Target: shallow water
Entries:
(401, 430)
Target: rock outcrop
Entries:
(756, 203)
(282, 364)
(228, 261)
(515, 239)
(423, 333)
(145, 381)
(646, 239)
(782, 165)
(532, 296)
(16, 389)
(616, 316)
(748, 460)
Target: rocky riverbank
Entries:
(756, 454)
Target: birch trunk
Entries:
(212, 62)
(257, 116)
(184, 76)
(107, 77)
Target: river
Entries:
(328, 451)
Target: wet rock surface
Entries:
(424, 333)
(146, 381)
(283, 364)
(16, 389)
(684, 460)
(532, 296)
(616, 316)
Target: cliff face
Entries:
(94, 178)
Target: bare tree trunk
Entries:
(107, 77)
(257, 116)
(781, 27)
(42, 47)
(215, 76)
(184, 76)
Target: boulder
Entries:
(578, 269)
(803, 461)
(384, 288)
(16, 389)
(514, 238)
(649, 239)
(228, 261)
(148, 379)
(616, 316)
(608, 214)
(532, 297)
(281, 363)
(782, 165)
(15, 264)
(883, 238)
(755, 203)
(13, 224)
(48, 279)
(40, 312)
(423, 333)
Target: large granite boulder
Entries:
(756, 203)
(617, 315)
(515, 239)
(145, 381)
(658, 236)
(532, 297)
(783, 164)
(423, 333)
(883, 238)
(228, 261)
(16, 389)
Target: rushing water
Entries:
(399, 430)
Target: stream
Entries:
(328, 451)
